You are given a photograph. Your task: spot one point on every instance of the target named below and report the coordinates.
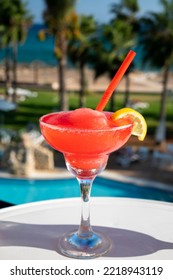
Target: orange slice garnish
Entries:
(139, 123)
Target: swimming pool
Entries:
(19, 191)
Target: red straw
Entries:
(115, 81)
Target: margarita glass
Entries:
(86, 138)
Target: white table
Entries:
(139, 229)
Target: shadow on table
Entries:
(125, 243)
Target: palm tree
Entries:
(15, 20)
(60, 19)
(157, 42)
(111, 46)
(79, 50)
(20, 25)
(3, 44)
(126, 11)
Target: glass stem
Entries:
(85, 229)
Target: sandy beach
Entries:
(42, 75)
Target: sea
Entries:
(35, 51)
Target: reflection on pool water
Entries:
(19, 191)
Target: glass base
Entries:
(74, 246)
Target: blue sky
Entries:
(98, 8)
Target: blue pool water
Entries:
(19, 191)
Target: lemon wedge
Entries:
(139, 123)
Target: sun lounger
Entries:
(143, 153)
(162, 159)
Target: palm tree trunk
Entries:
(82, 86)
(62, 90)
(14, 72)
(7, 71)
(127, 91)
(36, 73)
(164, 93)
(63, 98)
(112, 103)
(112, 99)
(160, 136)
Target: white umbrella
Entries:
(6, 106)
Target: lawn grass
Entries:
(30, 110)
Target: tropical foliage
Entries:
(126, 12)
(158, 49)
(102, 46)
(79, 50)
(14, 22)
(157, 41)
(114, 40)
(61, 21)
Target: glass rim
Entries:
(61, 128)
